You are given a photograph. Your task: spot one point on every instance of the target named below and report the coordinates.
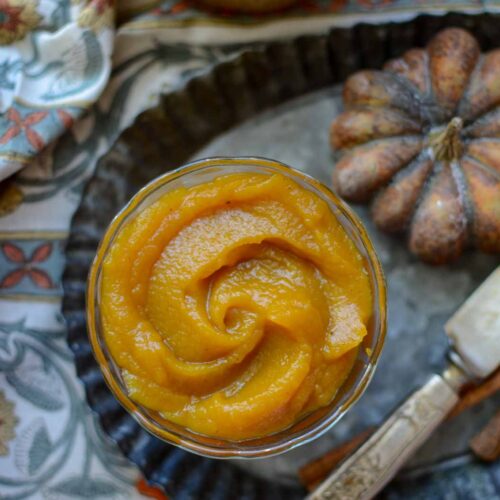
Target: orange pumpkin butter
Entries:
(236, 306)
(421, 140)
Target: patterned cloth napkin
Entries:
(70, 81)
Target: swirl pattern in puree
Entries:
(236, 306)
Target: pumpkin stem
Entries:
(446, 144)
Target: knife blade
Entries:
(474, 332)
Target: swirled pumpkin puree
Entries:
(236, 306)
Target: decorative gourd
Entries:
(421, 141)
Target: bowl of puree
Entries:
(236, 307)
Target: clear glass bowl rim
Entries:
(237, 449)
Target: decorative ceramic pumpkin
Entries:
(421, 141)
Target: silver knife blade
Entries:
(474, 329)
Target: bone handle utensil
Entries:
(474, 331)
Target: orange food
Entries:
(234, 307)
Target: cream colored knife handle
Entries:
(373, 465)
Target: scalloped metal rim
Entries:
(301, 65)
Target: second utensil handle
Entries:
(373, 465)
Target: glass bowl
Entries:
(312, 425)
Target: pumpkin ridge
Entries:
(428, 238)
(428, 80)
(488, 118)
(343, 174)
(355, 92)
(405, 59)
(343, 134)
(484, 150)
(430, 111)
(417, 93)
(484, 139)
(431, 105)
(402, 174)
(487, 168)
(430, 108)
(453, 57)
(420, 156)
(426, 186)
(483, 92)
(459, 179)
(485, 234)
(464, 197)
(409, 162)
(423, 190)
(435, 109)
(425, 103)
(466, 94)
(401, 111)
(421, 137)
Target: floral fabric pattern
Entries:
(17, 18)
(54, 64)
(28, 267)
(8, 422)
(23, 125)
(97, 15)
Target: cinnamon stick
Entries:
(314, 472)
(150, 491)
(486, 444)
(477, 393)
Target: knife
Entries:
(474, 332)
